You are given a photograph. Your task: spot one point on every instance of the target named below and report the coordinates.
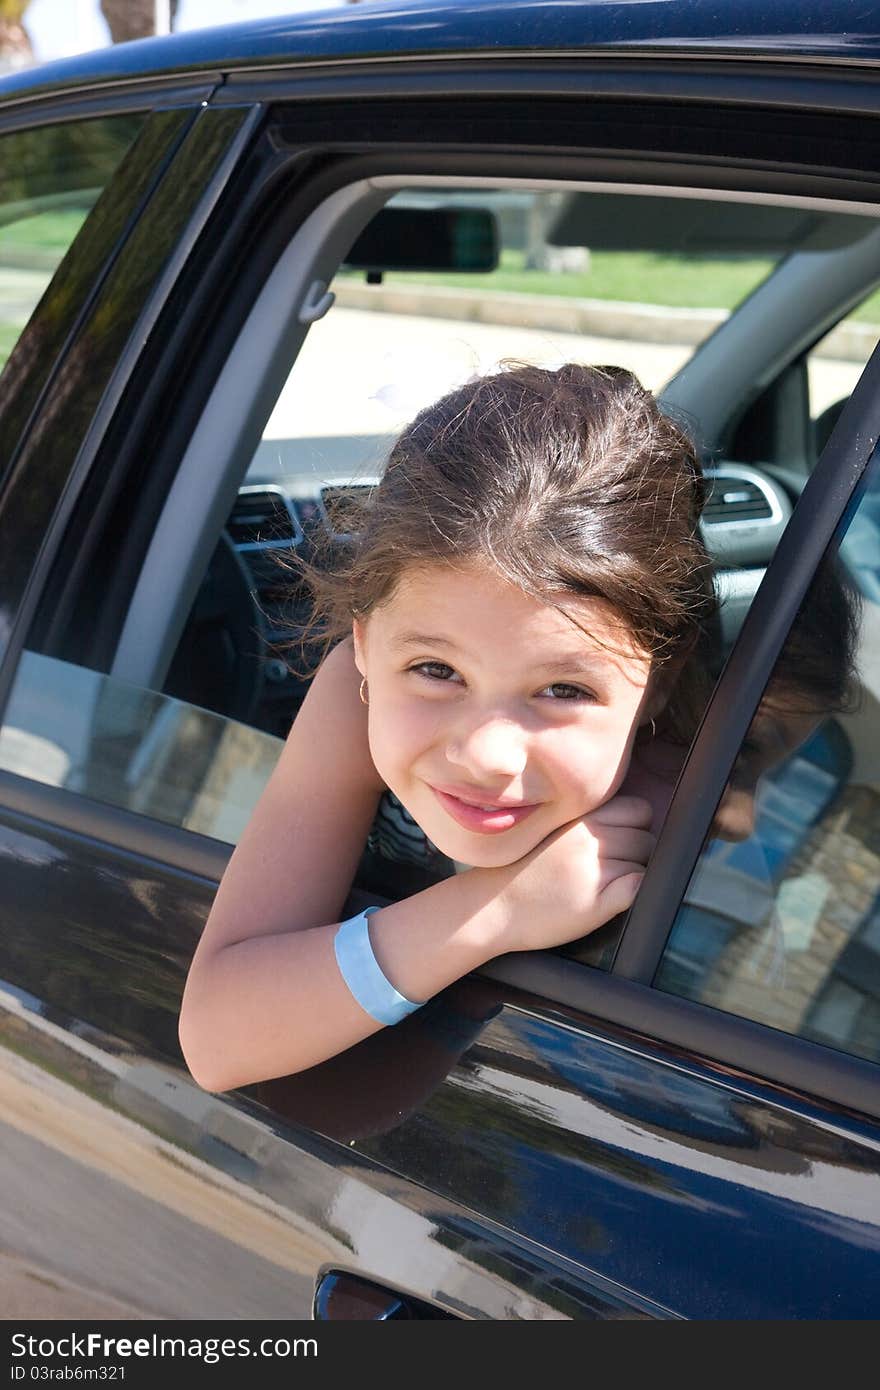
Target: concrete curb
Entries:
(599, 318)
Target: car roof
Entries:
(830, 30)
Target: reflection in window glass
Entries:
(780, 922)
(49, 180)
(66, 726)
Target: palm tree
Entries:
(126, 19)
(132, 19)
(15, 43)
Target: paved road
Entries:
(365, 372)
(361, 376)
(127, 1225)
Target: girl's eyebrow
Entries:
(586, 662)
(421, 639)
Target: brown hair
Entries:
(571, 482)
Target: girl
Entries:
(525, 586)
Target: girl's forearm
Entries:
(273, 1005)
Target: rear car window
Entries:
(50, 178)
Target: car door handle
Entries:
(340, 1296)
(346, 1297)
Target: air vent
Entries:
(262, 520)
(734, 498)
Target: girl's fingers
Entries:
(619, 843)
(619, 892)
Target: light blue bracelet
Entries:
(363, 975)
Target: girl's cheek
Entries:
(597, 759)
(395, 733)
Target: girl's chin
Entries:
(484, 852)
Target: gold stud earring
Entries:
(364, 692)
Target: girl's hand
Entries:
(580, 877)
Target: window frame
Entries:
(624, 995)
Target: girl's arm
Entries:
(264, 996)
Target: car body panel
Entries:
(265, 1204)
(541, 1141)
(838, 33)
(573, 1171)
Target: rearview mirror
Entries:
(427, 239)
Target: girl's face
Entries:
(491, 716)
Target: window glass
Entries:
(835, 364)
(780, 920)
(49, 180)
(138, 749)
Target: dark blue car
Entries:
(232, 264)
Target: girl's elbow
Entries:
(204, 1078)
(199, 1053)
(207, 1083)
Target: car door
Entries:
(548, 1139)
(102, 196)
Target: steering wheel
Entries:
(220, 659)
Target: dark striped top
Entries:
(395, 835)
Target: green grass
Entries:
(9, 336)
(634, 277)
(693, 282)
(638, 277)
(869, 310)
(47, 232)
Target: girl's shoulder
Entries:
(333, 708)
(339, 666)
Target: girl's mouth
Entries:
(485, 820)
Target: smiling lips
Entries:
(486, 818)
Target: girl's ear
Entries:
(358, 634)
(660, 687)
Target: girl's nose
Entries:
(489, 748)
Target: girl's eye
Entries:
(434, 670)
(561, 690)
